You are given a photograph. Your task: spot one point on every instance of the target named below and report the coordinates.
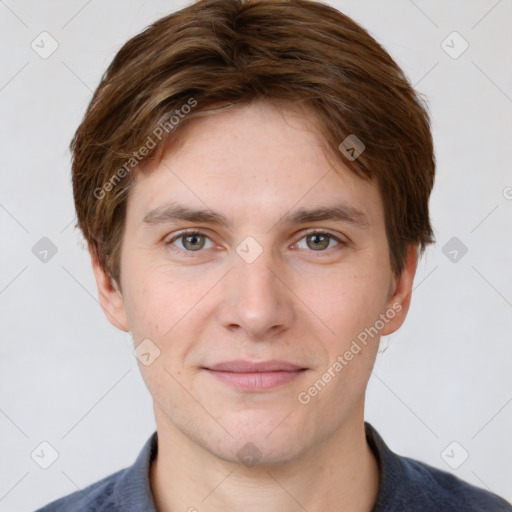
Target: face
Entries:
(265, 317)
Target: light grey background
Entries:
(70, 379)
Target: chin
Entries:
(258, 444)
(258, 453)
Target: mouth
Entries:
(251, 376)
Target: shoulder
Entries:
(127, 489)
(97, 496)
(444, 491)
(409, 485)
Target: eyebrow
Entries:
(169, 213)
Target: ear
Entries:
(110, 296)
(400, 296)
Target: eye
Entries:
(319, 241)
(191, 241)
(194, 241)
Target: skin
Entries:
(297, 303)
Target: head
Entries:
(261, 114)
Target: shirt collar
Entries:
(393, 473)
(133, 490)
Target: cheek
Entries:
(352, 302)
(145, 307)
(350, 306)
(159, 298)
(159, 310)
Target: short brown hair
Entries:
(231, 52)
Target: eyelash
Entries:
(192, 232)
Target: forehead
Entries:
(252, 159)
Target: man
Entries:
(252, 178)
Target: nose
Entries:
(257, 300)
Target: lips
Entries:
(251, 377)
(251, 367)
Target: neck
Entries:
(340, 473)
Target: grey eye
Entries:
(191, 242)
(318, 241)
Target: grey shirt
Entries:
(405, 485)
